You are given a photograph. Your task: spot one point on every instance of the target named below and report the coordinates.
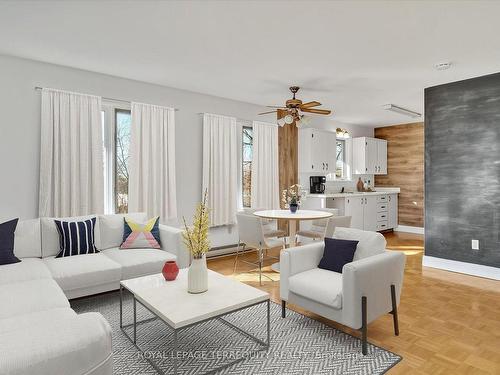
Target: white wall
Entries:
(20, 129)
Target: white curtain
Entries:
(71, 155)
(152, 161)
(265, 174)
(220, 167)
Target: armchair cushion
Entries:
(337, 253)
(370, 243)
(318, 285)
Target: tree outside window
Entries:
(247, 156)
(122, 145)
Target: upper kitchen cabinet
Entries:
(317, 151)
(369, 156)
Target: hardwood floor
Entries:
(449, 322)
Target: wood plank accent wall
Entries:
(288, 145)
(405, 169)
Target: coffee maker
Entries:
(317, 184)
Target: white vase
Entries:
(198, 276)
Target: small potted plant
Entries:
(196, 240)
(291, 197)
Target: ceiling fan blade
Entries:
(265, 113)
(317, 111)
(310, 104)
(275, 106)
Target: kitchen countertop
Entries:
(378, 191)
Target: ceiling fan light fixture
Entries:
(302, 121)
(288, 119)
(293, 109)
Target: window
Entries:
(247, 146)
(122, 145)
(116, 121)
(340, 167)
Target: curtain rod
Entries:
(237, 118)
(111, 99)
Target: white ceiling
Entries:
(352, 56)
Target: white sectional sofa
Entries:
(39, 332)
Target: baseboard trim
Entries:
(408, 229)
(462, 267)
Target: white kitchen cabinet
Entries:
(354, 209)
(381, 165)
(392, 210)
(317, 151)
(375, 212)
(363, 212)
(369, 156)
(370, 213)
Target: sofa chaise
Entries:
(39, 332)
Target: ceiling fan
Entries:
(296, 108)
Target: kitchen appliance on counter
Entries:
(317, 184)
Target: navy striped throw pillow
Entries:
(76, 237)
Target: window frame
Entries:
(110, 109)
(346, 173)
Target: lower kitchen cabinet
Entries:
(392, 202)
(353, 206)
(368, 212)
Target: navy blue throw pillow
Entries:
(337, 253)
(7, 231)
(76, 237)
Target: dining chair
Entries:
(337, 221)
(251, 235)
(318, 227)
(269, 226)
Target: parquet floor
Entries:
(449, 322)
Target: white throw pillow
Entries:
(27, 239)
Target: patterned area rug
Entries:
(299, 345)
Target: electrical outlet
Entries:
(475, 244)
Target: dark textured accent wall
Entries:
(462, 170)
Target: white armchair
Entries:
(367, 288)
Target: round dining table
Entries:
(292, 218)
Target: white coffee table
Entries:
(224, 296)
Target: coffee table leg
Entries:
(135, 320)
(268, 324)
(175, 352)
(121, 307)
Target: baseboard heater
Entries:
(222, 250)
